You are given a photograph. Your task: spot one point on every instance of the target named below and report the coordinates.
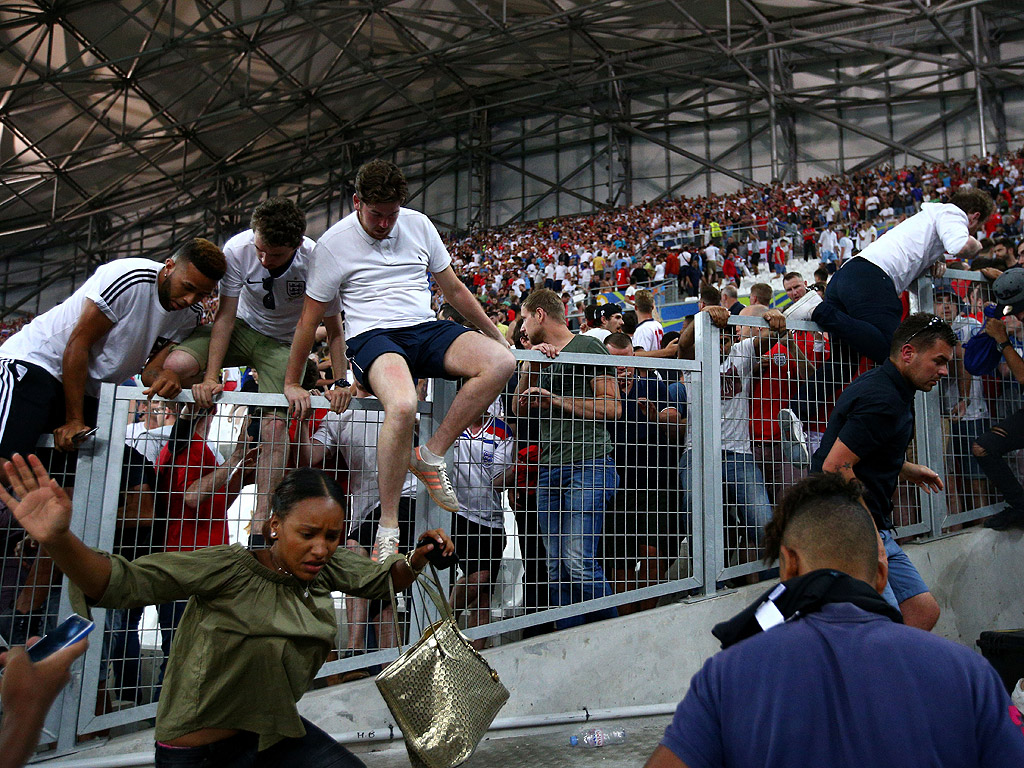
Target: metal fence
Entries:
(572, 510)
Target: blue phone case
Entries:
(68, 632)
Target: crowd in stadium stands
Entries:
(599, 453)
(723, 237)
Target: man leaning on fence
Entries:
(126, 313)
(381, 259)
(867, 438)
(577, 471)
(261, 298)
(990, 449)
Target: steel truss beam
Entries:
(385, 76)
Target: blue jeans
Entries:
(571, 500)
(744, 487)
(314, 750)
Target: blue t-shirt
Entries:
(844, 687)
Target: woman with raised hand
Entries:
(258, 625)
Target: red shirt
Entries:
(191, 528)
(778, 382)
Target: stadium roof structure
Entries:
(172, 116)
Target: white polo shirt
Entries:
(907, 250)
(126, 292)
(382, 283)
(244, 279)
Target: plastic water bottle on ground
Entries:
(596, 737)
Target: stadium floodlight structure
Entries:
(126, 127)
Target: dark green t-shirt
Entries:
(566, 438)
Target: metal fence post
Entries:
(928, 427)
(86, 513)
(706, 453)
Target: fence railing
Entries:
(573, 511)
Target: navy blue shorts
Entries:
(423, 346)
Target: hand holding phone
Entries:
(68, 632)
(435, 556)
(30, 685)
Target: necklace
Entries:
(285, 571)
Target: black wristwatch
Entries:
(1004, 344)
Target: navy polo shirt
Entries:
(874, 417)
(844, 688)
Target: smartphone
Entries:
(81, 437)
(68, 632)
(435, 556)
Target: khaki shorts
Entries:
(250, 348)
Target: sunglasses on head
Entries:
(935, 320)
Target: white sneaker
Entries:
(794, 436)
(384, 546)
(802, 308)
(1017, 697)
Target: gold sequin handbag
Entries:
(441, 691)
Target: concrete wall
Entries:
(648, 658)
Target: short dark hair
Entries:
(517, 333)
(448, 312)
(791, 275)
(974, 201)
(547, 300)
(921, 330)
(618, 340)
(823, 516)
(204, 256)
(279, 222)
(381, 181)
(710, 295)
(629, 321)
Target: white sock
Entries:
(385, 532)
(429, 456)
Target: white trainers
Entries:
(794, 436)
(435, 478)
(802, 308)
(384, 545)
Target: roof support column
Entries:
(978, 95)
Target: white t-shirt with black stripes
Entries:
(126, 292)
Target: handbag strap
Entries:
(434, 591)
